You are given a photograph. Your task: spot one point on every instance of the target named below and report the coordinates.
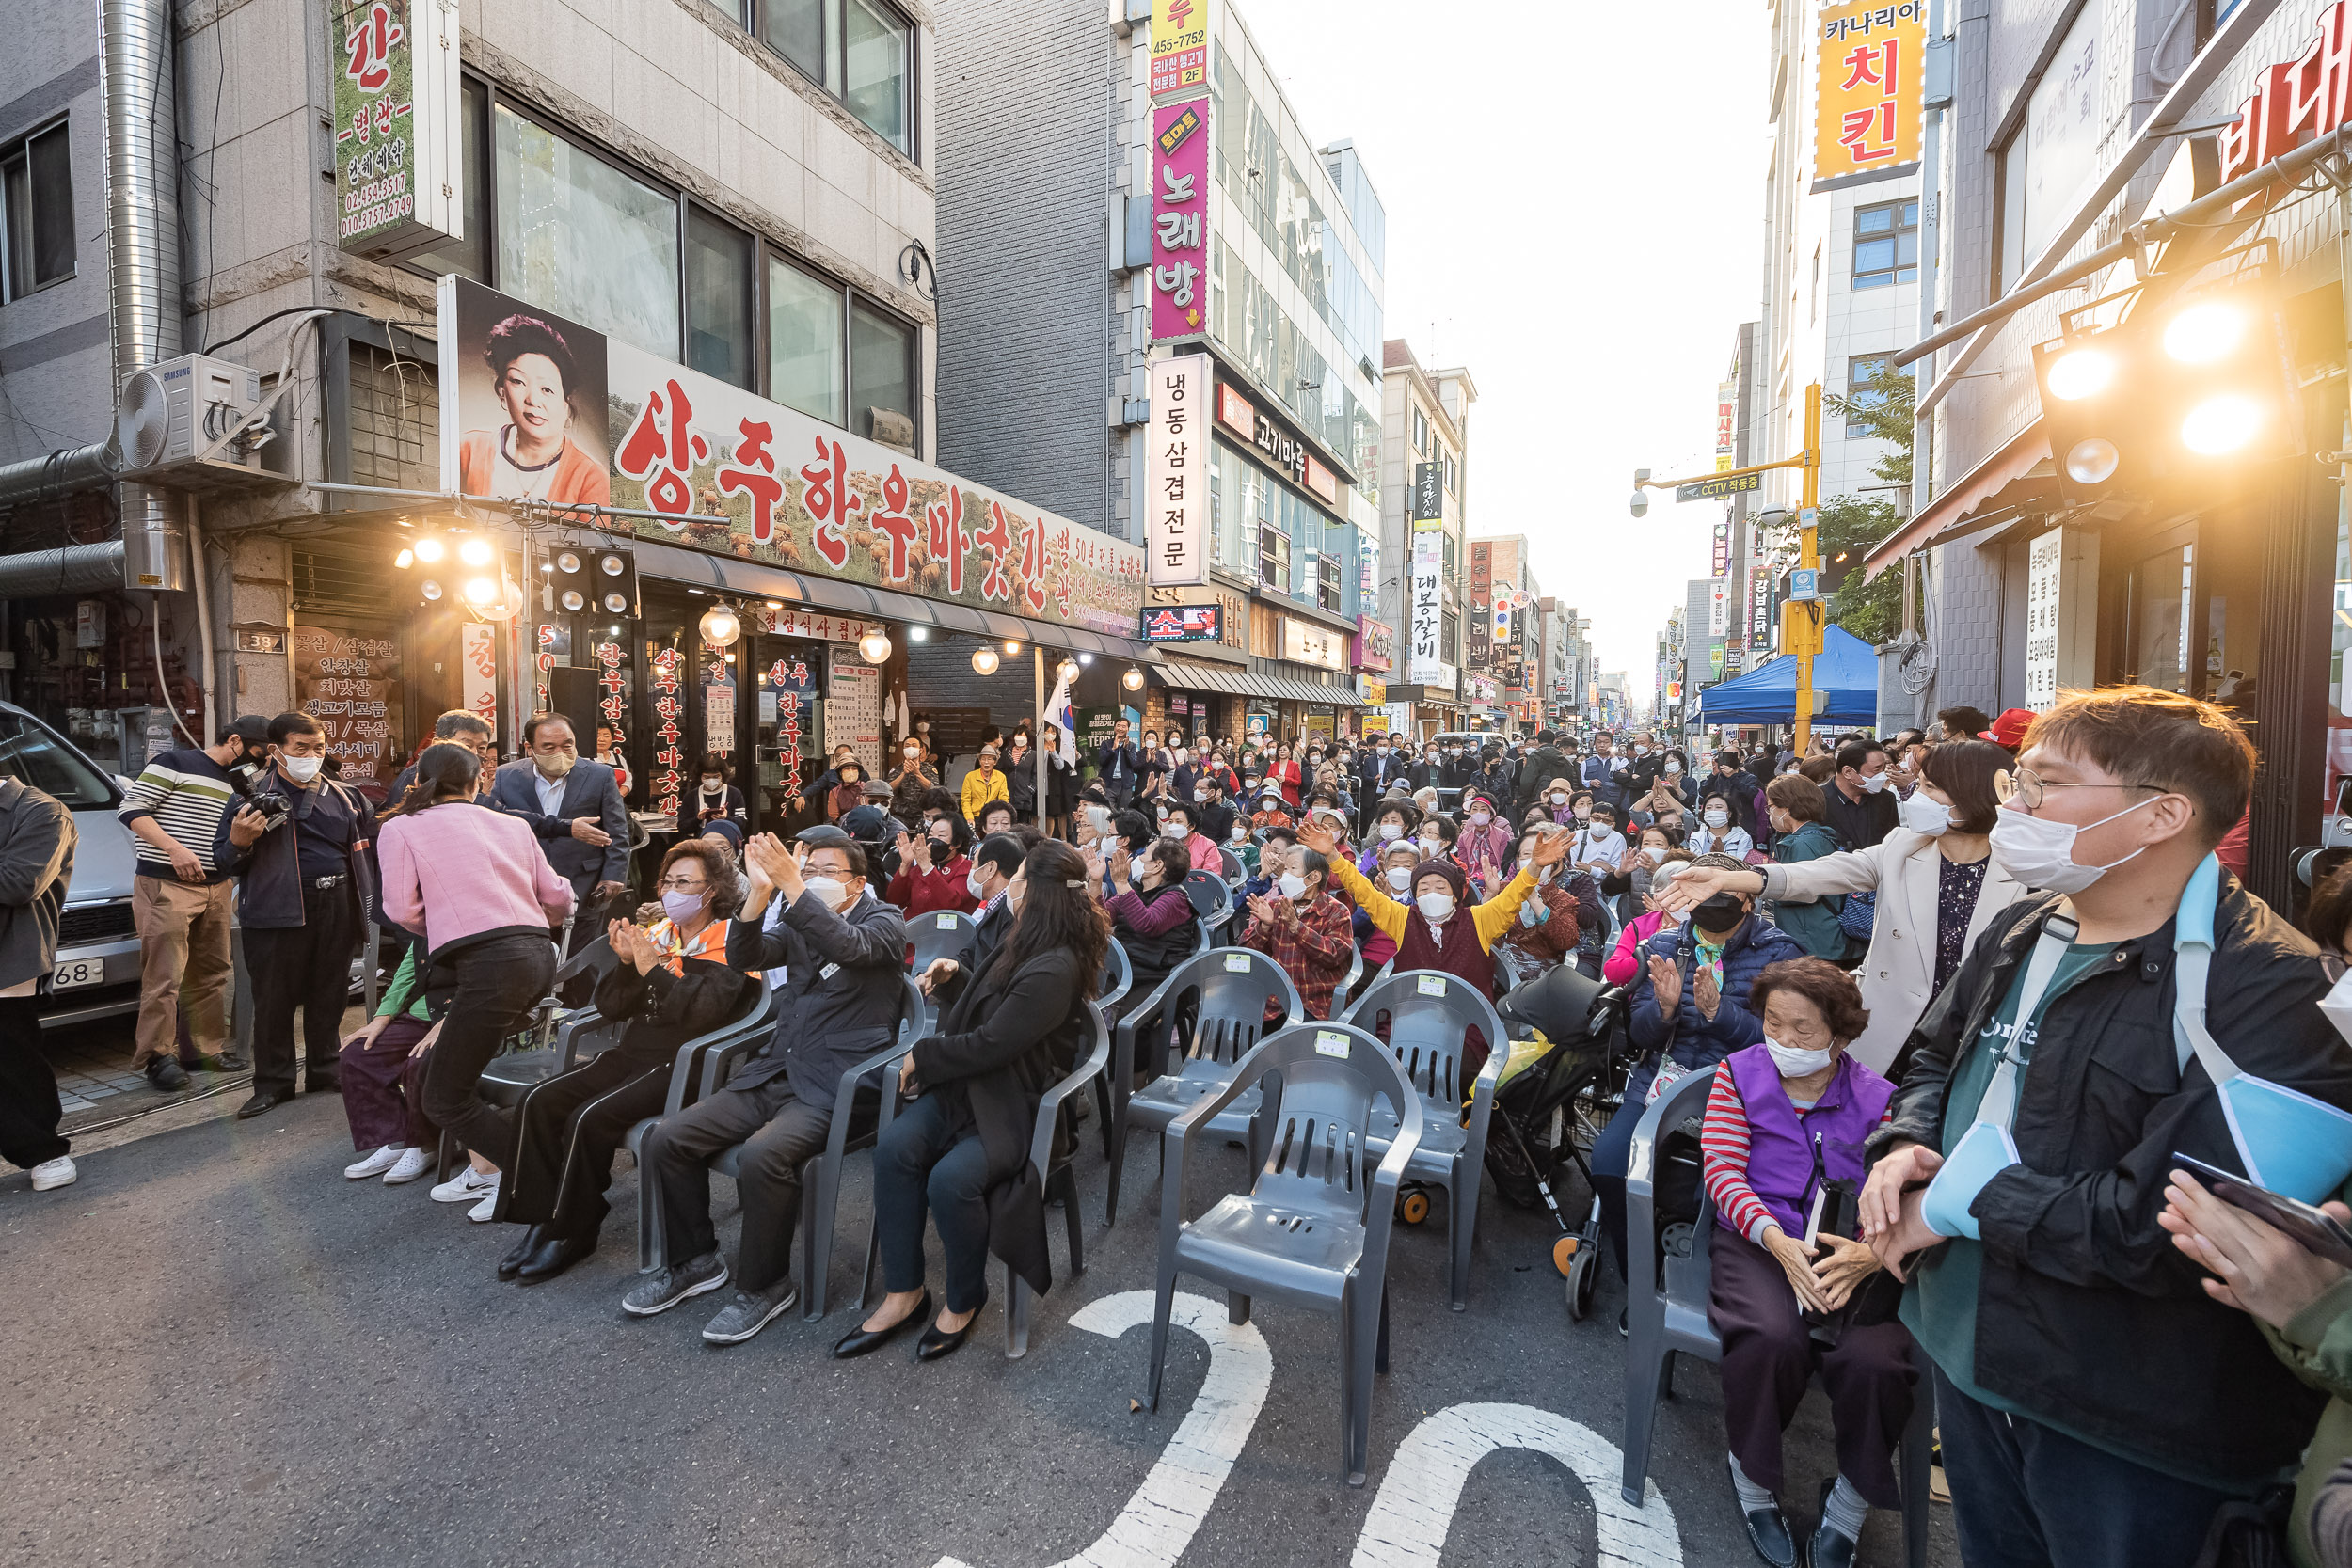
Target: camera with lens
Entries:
(270, 805)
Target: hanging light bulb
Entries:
(1067, 669)
(719, 628)
(1133, 679)
(983, 660)
(874, 647)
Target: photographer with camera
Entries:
(297, 849)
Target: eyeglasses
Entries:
(677, 884)
(2027, 787)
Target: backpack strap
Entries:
(2192, 960)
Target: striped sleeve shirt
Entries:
(1724, 1158)
(187, 793)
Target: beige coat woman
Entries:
(1898, 974)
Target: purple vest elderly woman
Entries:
(1787, 1117)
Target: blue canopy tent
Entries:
(1846, 670)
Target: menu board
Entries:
(853, 706)
(348, 679)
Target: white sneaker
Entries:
(413, 1164)
(58, 1172)
(374, 1164)
(467, 1186)
(480, 1212)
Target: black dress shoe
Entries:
(226, 1061)
(264, 1102)
(1768, 1532)
(862, 1341)
(519, 1254)
(937, 1342)
(1829, 1547)
(166, 1074)
(553, 1258)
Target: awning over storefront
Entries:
(1241, 683)
(754, 580)
(2020, 471)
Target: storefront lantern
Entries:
(1133, 679)
(720, 626)
(874, 647)
(983, 660)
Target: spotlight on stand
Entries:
(429, 550)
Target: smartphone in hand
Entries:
(2314, 1229)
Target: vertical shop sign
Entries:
(478, 669)
(349, 681)
(1873, 68)
(611, 690)
(1719, 607)
(1180, 48)
(1480, 653)
(400, 178)
(1176, 531)
(669, 755)
(1726, 423)
(1721, 558)
(1424, 661)
(1179, 219)
(853, 706)
(1428, 494)
(719, 718)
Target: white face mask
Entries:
(2036, 852)
(1559, 799)
(1719, 820)
(1924, 814)
(1240, 833)
(1291, 884)
(1431, 846)
(1875, 782)
(710, 786)
(1641, 751)
(1176, 832)
(1794, 1063)
(1674, 767)
(1199, 794)
(1434, 907)
(974, 886)
(1391, 831)
(302, 770)
(826, 890)
(1583, 813)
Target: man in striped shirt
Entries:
(180, 901)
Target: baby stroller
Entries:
(1551, 1109)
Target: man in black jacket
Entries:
(1120, 767)
(1537, 770)
(36, 839)
(1861, 807)
(2097, 1406)
(843, 952)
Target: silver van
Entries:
(97, 947)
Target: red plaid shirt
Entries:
(1315, 950)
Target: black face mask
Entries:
(1721, 913)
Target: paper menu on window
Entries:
(853, 705)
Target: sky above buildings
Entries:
(1575, 214)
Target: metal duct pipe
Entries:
(74, 469)
(75, 569)
(137, 83)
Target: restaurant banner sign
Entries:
(400, 173)
(1872, 73)
(535, 406)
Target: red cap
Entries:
(2010, 728)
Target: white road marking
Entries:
(1159, 1521)
(1406, 1528)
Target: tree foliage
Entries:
(1851, 526)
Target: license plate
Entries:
(78, 971)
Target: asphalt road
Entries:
(220, 1352)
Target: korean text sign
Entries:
(1179, 219)
(792, 491)
(1179, 47)
(1426, 656)
(399, 176)
(1176, 530)
(1872, 69)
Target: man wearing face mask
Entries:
(1861, 806)
(994, 882)
(1598, 770)
(574, 805)
(1689, 1010)
(296, 847)
(910, 779)
(1537, 770)
(1304, 929)
(1119, 766)
(843, 952)
(2097, 1404)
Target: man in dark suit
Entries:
(1541, 766)
(574, 805)
(1121, 767)
(994, 864)
(843, 953)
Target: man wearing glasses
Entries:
(459, 727)
(2097, 1405)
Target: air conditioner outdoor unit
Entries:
(190, 408)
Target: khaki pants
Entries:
(183, 962)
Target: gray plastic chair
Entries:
(756, 1022)
(1059, 1177)
(940, 934)
(1235, 872)
(1213, 901)
(1427, 1014)
(1119, 975)
(1231, 987)
(1668, 1318)
(1313, 1231)
(820, 1173)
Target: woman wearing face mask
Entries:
(1152, 916)
(1019, 767)
(1496, 777)
(1624, 962)
(934, 870)
(1557, 803)
(1304, 929)
(1719, 831)
(1741, 794)
(476, 887)
(1935, 880)
(1783, 1118)
(1061, 783)
(1439, 929)
(912, 780)
(672, 984)
(1545, 933)
(1485, 845)
(713, 797)
(1283, 771)
(1393, 825)
(849, 794)
(1392, 867)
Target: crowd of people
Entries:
(2020, 1100)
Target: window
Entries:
(2009, 200)
(1274, 556)
(36, 192)
(1861, 371)
(31, 753)
(1421, 433)
(1887, 244)
(1327, 582)
(861, 51)
(804, 358)
(584, 239)
(882, 373)
(1813, 299)
(1452, 476)
(720, 284)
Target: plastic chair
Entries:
(1427, 1014)
(757, 1021)
(1313, 1229)
(1213, 901)
(1667, 1318)
(940, 934)
(1118, 977)
(1059, 1178)
(1235, 872)
(1232, 987)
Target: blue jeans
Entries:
(1611, 1151)
(2027, 1495)
(919, 1164)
